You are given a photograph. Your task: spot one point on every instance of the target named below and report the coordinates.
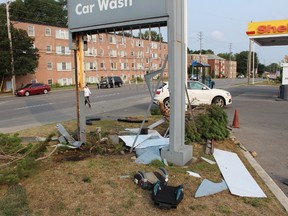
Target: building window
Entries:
(101, 52)
(62, 34)
(65, 81)
(124, 66)
(154, 45)
(49, 65)
(140, 66)
(64, 66)
(113, 53)
(147, 61)
(102, 65)
(139, 43)
(63, 50)
(100, 38)
(155, 66)
(123, 41)
(133, 65)
(47, 31)
(91, 52)
(92, 38)
(49, 48)
(91, 66)
(50, 82)
(113, 65)
(112, 40)
(154, 55)
(122, 53)
(31, 31)
(140, 54)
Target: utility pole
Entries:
(200, 40)
(230, 52)
(13, 80)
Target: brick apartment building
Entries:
(107, 55)
(218, 67)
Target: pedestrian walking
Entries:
(87, 94)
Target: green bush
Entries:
(211, 123)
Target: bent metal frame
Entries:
(99, 16)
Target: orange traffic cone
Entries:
(235, 120)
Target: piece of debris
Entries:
(165, 162)
(285, 182)
(153, 138)
(167, 197)
(67, 140)
(124, 176)
(208, 161)
(194, 174)
(207, 188)
(238, 179)
(209, 147)
(147, 155)
(253, 153)
(147, 180)
(242, 147)
(152, 126)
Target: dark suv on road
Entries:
(111, 82)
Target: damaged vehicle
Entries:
(198, 94)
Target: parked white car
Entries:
(198, 94)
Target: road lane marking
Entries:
(28, 107)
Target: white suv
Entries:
(198, 94)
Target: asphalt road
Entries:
(262, 118)
(263, 128)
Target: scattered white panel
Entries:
(238, 179)
(208, 161)
(194, 174)
(153, 138)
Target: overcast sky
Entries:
(223, 25)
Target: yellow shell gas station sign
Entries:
(275, 27)
(269, 33)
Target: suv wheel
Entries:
(166, 103)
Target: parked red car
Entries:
(32, 89)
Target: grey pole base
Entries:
(180, 157)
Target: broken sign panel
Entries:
(238, 179)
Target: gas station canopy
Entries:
(269, 33)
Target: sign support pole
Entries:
(178, 153)
(80, 83)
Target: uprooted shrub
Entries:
(17, 160)
(208, 122)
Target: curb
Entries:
(274, 188)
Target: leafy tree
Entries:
(40, 11)
(154, 36)
(25, 56)
(227, 56)
(203, 52)
(261, 68)
(273, 67)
